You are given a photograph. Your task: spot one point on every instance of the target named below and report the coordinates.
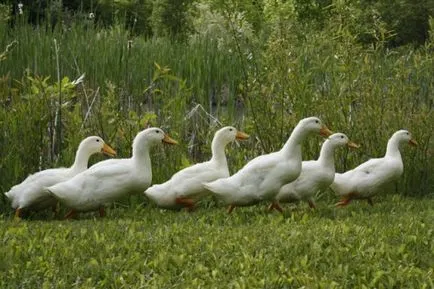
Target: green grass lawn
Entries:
(389, 245)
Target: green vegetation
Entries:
(261, 72)
(385, 246)
(364, 68)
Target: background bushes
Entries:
(188, 68)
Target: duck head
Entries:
(404, 136)
(229, 134)
(95, 144)
(340, 139)
(154, 136)
(314, 124)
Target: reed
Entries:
(190, 88)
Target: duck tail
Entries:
(149, 191)
(213, 187)
(156, 189)
(49, 191)
(208, 186)
(11, 193)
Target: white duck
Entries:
(111, 179)
(368, 179)
(31, 192)
(261, 178)
(316, 175)
(186, 186)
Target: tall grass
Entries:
(122, 70)
(264, 88)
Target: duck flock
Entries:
(273, 178)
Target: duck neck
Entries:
(292, 146)
(326, 156)
(81, 160)
(218, 152)
(141, 155)
(393, 148)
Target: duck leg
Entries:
(311, 204)
(275, 205)
(370, 201)
(231, 208)
(188, 203)
(101, 211)
(71, 214)
(55, 209)
(18, 213)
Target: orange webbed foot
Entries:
(342, 203)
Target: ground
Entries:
(388, 245)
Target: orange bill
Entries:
(241, 135)
(106, 149)
(353, 145)
(412, 142)
(167, 139)
(325, 132)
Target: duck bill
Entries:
(325, 132)
(352, 145)
(241, 135)
(167, 139)
(412, 142)
(107, 150)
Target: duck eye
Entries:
(230, 129)
(97, 140)
(157, 131)
(342, 136)
(317, 121)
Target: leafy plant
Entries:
(385, 246)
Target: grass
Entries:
(385, 246)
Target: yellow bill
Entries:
(353, 145)
(241, 135)
(106, 149)
(167, 139)
(325, 132)
(412, 142)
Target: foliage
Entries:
(385, 246)
(30, 114)
(227, 73)
(313, 12)
(300, 75)
(224, 27)
(169, 18)
(5, 13)
(134, 14)
(405, 21)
